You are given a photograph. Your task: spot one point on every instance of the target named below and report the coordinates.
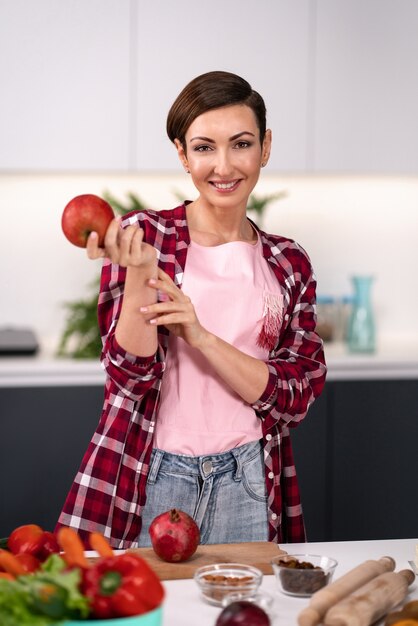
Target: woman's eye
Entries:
(243, 144)
(203, 148)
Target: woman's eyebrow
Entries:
(244, 132)
(202, 139)
(233, 138)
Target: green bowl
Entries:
(153, 618)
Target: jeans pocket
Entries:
(253, 478)
(154, 466)
(169, 486)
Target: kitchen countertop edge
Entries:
(44, 369)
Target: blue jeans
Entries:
(225, 493)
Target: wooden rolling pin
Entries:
(325, 598)
(372, 601)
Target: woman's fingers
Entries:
(166, 285)
(165, 307)
(124, 246)
(127, 253)
(92, 247)
(112, 233)
(169, 319)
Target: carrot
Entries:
(11, 564)
(72, 547)
(99, 543)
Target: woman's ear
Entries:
(266, 148)
(182, 155)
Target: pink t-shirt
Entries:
(229, 285)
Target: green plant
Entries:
(80, 338)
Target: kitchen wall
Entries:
(366, 225)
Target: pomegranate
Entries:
(243, 613)
(174, 536)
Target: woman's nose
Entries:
(223, 163)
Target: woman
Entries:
(209, 346)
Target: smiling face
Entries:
(223, 153)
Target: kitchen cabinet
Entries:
(44, 434)
(366, 87)
(354, 456)
(65, 73)
(89, 83)
(267, 43)
(311, 444)
(374, 480)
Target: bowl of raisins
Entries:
(303, 574)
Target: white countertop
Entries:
(390, 361)
(184, 607)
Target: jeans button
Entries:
(207, 467)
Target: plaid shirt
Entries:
(108, 492)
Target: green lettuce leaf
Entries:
(48, 596)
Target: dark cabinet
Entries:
(355, 454)
(311, 444)
(374, 472)
(44, 434)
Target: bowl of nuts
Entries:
(220, 579)
(302, 574)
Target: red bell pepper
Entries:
(48, 545)
(121, 586)
(32, 539)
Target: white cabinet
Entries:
(65, 81)
(365, 110)
(266, 42)
(87, 84)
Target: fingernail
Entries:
(153, 321)
(143, 309)
(152, 281)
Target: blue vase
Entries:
(361, 329)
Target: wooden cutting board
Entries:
(258, 554)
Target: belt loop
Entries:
(237, 456)
(156, 458)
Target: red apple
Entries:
(83, 215)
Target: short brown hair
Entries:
(212, 90)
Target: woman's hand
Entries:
(176, 312)
(123, 246)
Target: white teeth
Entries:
(224, 185)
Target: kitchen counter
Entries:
(183, 606)
(389, 362)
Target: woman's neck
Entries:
(217, 226)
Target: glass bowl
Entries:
(220, 579)
(301, 575)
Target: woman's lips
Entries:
(225, 186)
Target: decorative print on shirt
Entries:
(272, 320)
